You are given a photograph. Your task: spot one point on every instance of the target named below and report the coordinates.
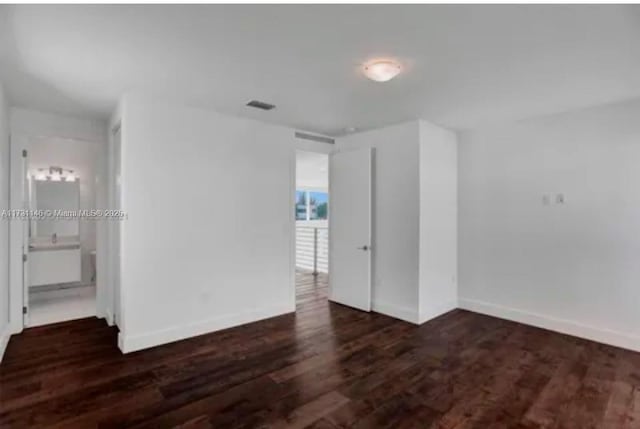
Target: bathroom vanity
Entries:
(51, 263)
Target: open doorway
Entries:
(59, 277)
(312, 227)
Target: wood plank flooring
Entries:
(327, 366)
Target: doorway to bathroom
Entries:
(312, 227)
(59, 238)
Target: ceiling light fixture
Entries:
(382, 70)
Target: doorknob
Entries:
(365, 248)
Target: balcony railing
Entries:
(312, 248)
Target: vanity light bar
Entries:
(55, 178)
(56, 174)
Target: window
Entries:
(312, 205)
(318, 205)
(301, 205)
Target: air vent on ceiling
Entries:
(314, 138)
(261, 105)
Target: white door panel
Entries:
(350, 188)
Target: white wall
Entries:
(4, 223)
(414, 219)
(571, 267)
(35, 123)
(438, 221)
(396, 214)
(195, 258)
(312, 171)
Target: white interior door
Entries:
(350, 187)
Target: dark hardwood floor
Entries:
(327, 366)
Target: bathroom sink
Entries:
(61, 245)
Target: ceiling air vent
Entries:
(321, 139)
(260, 105)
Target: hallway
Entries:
(311, 289)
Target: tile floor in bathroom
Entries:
(58, 305)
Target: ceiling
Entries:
(465, 65)
(312, 171)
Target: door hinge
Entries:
(24, 257)
(24, 310)
(24, 153)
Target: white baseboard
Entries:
(437, 310)
(395, 311)
(563, 326)
(133, 343)
(109, 317)
(5, 335)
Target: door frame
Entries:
(17, 290)
(17, 144)
(112, 261)
(26, 233)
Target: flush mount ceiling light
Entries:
(382, 70)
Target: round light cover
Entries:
(382, 70)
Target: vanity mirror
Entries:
(54, 193)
